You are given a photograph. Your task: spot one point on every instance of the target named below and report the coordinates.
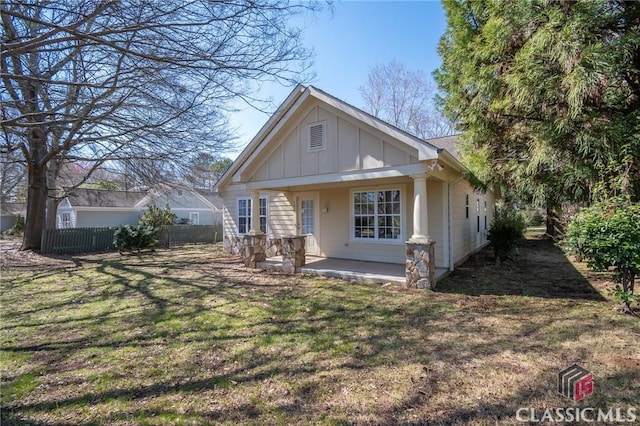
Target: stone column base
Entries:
(420, 265)
(254, 250)
(293, 253)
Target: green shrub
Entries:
(506, 231)
(139, 237)
(155, 217)
(607, 235)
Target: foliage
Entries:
(139, 86)
(548, 96)
(506, 231)
(155, 217)
(607, 235)
(17, 228)
(138, 237)
(403, 98)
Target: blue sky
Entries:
(349, 42)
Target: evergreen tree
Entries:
(547, 94)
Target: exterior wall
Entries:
(7, 221)
(206, 216)
(438, 229)
(99, 219)
(336, 228)
(281, 219)
(466, 237)
(350, 146)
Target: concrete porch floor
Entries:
(351, 270)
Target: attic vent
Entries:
(317, 136)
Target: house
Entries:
(85, 207)
(8, 214)
(356, 187)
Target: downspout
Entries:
(450, 221)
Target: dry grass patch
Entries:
(187, 336)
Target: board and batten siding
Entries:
(349, 147)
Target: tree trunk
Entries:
(36, 207)
(52, 199)
(553, 223)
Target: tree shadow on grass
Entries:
(289, 330)
(540, 269)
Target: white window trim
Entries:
(308, 127)
(66, 223)
(196, 215)
(237, 217)
(376, 240)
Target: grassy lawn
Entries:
(187, 336)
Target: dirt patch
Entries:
(540, 269)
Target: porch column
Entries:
(255, 213)
(420, 262)
(420, 219)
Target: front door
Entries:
(308, 221)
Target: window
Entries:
(376, 215)
(194, 218)
(485, 215)
(244, 215)
(307, 216)
(317, 136)
(478, 212)
(66, 220)
(466, 205)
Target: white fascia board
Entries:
(257, 139)
(426, 151)
(388, 172)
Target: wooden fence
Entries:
(184, 234)
(90, 240)
(77, 240)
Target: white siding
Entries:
(280, 213)
(335, 225)
(466, 238)
(437, 228)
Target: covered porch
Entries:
(350, 270)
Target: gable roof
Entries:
(214, 198)
(447, 143)
(426, 150)
(85, 197)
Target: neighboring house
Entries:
(100, 208)
(357, 187)
(8, 213)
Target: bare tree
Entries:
(132, 85)
(13, 178)
(403, 98)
